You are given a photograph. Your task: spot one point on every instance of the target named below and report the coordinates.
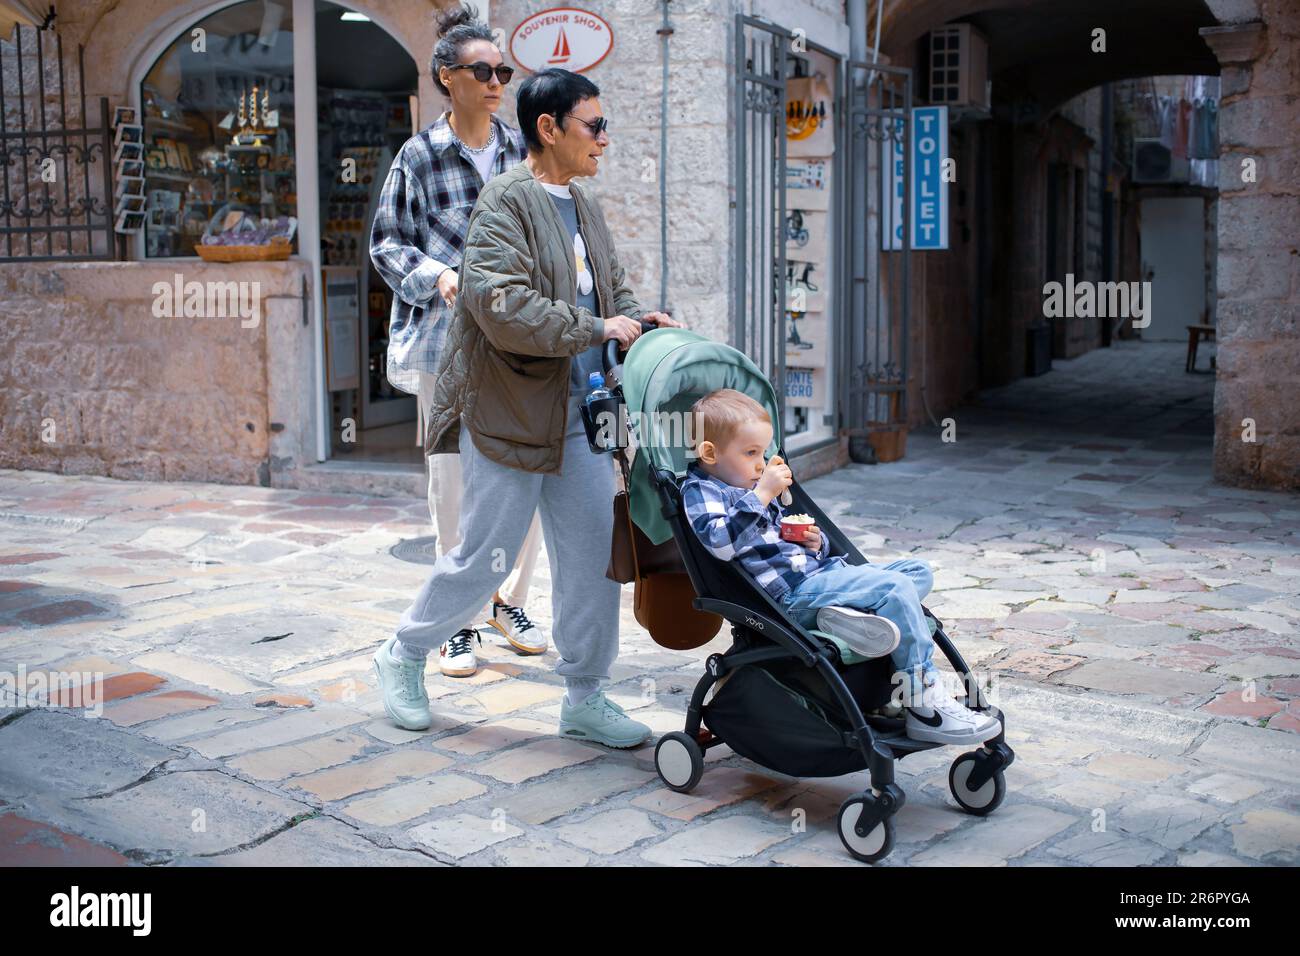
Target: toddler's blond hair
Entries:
(719, 415)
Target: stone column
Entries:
(1258, 264)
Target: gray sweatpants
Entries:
(496, 509)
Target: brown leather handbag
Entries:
(663, 597)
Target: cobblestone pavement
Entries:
(1137, 623)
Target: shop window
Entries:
(217, 109)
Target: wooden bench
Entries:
(1194, 335)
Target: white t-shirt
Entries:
(484, 161)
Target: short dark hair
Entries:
(555, 92)
(456, 27)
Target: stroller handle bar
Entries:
(611, 357)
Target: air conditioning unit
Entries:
(959, 67)
(1154, 162)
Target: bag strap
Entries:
(621, 458)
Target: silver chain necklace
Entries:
(492, 140)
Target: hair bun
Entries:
(461, 14)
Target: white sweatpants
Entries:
(445, 492)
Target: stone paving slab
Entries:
(66, 753)
(182, 813)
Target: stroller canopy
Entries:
(664, 373)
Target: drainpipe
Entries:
(1107, 213)
(664, 31)
(304, 110)
(855, 299)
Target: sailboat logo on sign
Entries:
(565, 36)
(561, 52)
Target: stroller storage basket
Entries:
(769, 721)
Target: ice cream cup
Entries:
(795, 527)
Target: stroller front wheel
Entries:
(876, 844)
(978, 800)
(679, 761)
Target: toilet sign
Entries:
(927, 206)
(929, 192)
(566, 37)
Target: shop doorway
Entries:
(366, 100)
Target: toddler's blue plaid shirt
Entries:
(734, 525)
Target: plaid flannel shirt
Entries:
(734, 525)
(419, 231)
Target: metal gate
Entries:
(57, 194)
(758, 319)
(872, 338)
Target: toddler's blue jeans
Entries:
(893, 591)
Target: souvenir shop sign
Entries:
(927, 207)
(566, 37)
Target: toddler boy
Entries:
(730, 499)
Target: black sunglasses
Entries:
(597, 127)
(483, 71)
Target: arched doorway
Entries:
(366, 89)
(221, 143)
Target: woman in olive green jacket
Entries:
(541, 289)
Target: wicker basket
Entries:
(278, 248)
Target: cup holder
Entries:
(606, 423)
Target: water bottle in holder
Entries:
(602, 414)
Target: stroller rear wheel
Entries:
(979, 800)
(876, 844)
(680, 761)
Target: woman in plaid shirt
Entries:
(416, 242)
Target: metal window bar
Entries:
(758, 324)
(873, 340)
(36, 227)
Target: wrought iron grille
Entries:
(57, 200)
(760, 275)
(872, 344)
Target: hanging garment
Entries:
(1182, 113)
(1165, 110)
(1210, 129)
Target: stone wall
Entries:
(94, 383)
(1259, 266)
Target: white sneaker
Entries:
(868, 634)
(456, 656)
(402, 684)
(523, 634)
(942, 720)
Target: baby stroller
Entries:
(782, 695)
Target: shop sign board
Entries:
(927, 207)
(808, 183)
(566, 37)
(805, 387)
(929, 144)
